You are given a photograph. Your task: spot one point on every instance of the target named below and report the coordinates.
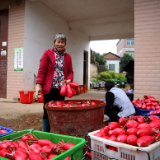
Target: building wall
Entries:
(147, 58)
(93, 70)
(116, 65)
(15, 40)
(41, 24)
(128, 50)
(122, 47)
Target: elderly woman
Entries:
(55, 67)
(117, 103)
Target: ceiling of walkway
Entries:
(99, 19)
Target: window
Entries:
(112, 67)
(130, 42)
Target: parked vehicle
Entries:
(102, 84)
(95, 85)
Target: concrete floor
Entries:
(11, 109)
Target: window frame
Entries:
(130, 42)
(112, 67)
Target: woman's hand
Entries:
(68, 81)
(38, 91)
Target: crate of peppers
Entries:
(134, 138)
(145, 105)
(4, 131)
(38, 145)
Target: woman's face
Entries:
(59, 44)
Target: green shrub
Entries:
(114, 80)
(106, 75)
(117, 78)
(113, 74)
(125, 59)
(121, 79)
(95, 80)
(97, 77)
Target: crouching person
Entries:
(117, 103)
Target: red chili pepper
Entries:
(73, 84)
(148, 96)
(89, 154)
(63, 90)
(69, 91)
(148, 104)
(143, 106)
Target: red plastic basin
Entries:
(40, 100)
(76, 121)
(26, 96)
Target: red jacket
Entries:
(47, 67)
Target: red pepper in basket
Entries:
(148, 96)
(113, 148)
(143, 106)
(89, 154)
(148, 104)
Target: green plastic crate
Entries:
(75, 152)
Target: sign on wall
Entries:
(18, 59)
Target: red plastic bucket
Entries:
(78, 90)
(85, 89)
(26, 96)
(40, 100)
(81, 88)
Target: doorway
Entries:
(85, 68)
(3, 52)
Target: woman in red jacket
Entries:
(55, 67)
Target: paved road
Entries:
(10, 109)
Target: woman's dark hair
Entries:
(109, 85)
(61, 36)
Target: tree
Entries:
(99, 58)
(125, 59)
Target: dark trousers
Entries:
(112, 113)
(53, 95)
